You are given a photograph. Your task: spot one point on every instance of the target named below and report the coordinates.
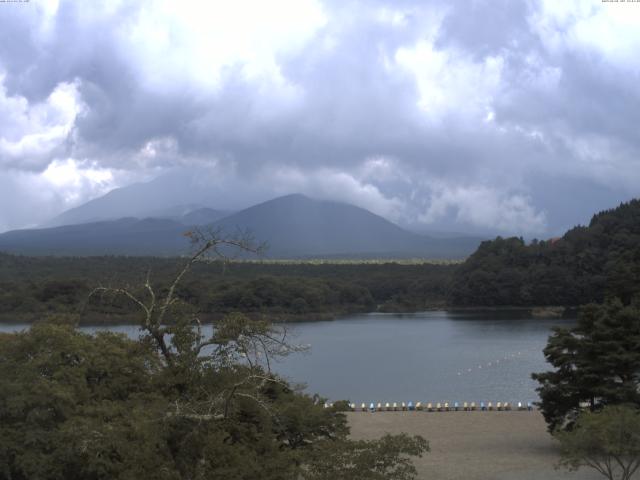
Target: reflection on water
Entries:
(428, 357)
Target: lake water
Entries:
(428, 357)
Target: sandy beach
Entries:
(474, 445)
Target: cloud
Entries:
(457, 115)
(32, 134)
(485, 207)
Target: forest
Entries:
(587, 264)
(31, 287)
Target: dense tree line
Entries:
(34, 286)
(586, 265)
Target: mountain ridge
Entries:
(294, 226)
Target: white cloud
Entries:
(192, 42)
(485, 207)
(31, 134)
(450, 82)
(77, 180)
(608, 28)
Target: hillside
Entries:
(293, 226)
(297, 226)
(126, 236)
(585, 265)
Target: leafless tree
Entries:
(236, 342)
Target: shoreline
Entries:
(534, 312)
(474, 445)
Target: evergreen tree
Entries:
(597, 363)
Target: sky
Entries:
(515, 117)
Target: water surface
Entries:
(428, 357)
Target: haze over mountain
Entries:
(292, 226)
(167, 196)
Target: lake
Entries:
(429, 357)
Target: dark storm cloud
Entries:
(444, 114)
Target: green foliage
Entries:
(607, 441)
(597, 362)
(586, 265)
(174, 404)
(33, 287)
(75, 406)
(384, 459)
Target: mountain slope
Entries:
(167, 196)
(293, 226)
(203, 216)
(126, 236)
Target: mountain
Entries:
(293, 226)
(203, 216)
(126, 236)
(297, 226)
(167, 196)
